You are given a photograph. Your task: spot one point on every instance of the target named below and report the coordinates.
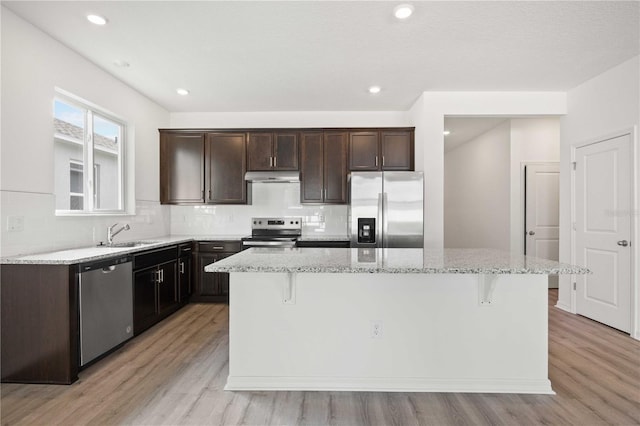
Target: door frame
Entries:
(635, 221)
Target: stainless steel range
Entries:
(273, 232)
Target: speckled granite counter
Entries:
(317, 237)
(87, 254)
(394, 261)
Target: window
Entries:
(85, 135)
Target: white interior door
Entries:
(542, 213)
(603, 231)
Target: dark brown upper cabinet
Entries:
(181, 168)
(272, 151)
(381, 150)
(397, 150)
(335, 167)
(226, 155)
(364, 151)
(323, 167)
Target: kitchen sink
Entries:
(128, 244)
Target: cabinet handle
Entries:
(161, 275)
(217, 247)
(157, 277)
(376, 161)
(383, 161)
(182, 267)
(275, 161)
(270, 161)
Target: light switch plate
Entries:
(15, 223)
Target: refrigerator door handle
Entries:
(379, 219)
(385, 220)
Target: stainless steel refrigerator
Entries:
(386, 210)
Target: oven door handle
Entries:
(269, 243)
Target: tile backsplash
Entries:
(268, 199)
(44, 231)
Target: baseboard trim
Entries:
(256, 383)
(564, 307)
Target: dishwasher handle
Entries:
(108, 269)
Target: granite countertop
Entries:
(92, 253)
(321, 237)
(420, 261)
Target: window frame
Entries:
(90, 191)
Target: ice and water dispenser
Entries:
(366, 230)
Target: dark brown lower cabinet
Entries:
(185, 272)
(213, 286)
(39, 324)
(155, 287)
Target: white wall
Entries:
(427, 115)
(33, 65)
(476, 191)
(528, 140)
(533, 140)
(279, 119)
(599, 107)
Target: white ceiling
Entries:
(323, 55)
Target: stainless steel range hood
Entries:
(272, 177)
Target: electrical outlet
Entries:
(376, 329)
(15, 223)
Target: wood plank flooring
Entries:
(175, 373)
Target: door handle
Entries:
(623, 243)
(532, 232)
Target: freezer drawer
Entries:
(106, 308)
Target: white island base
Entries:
(406, 332)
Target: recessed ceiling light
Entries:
(374, 89)
(446, 133)
(96, 19)
(403, 11)
(121, 64)
(183, 92)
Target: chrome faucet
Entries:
(111, 234)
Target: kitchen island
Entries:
(413, 320)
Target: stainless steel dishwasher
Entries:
(106, 306)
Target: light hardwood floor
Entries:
(175, 372)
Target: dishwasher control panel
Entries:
(99, 264)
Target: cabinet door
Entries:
(184, 278)
(208, 282)
(181, 168)
(259, 151)
(144, 299)
(397, 150)
(226, 167)
(363, 151)
(285, 151)
(335, 167)
(312, 169)
(167, 287)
